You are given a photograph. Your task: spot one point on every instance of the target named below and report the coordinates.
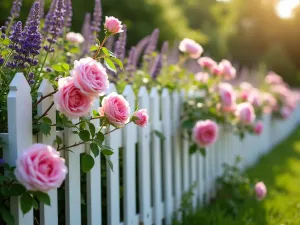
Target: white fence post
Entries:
(129, 156)
(19, 109)
(156, 158)
(144, 163)
(167, 155)
(48, 214)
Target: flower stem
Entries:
(100, 47)
(43, 97)
(45, 113)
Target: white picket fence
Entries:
(165, 169)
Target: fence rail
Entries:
(154, 173)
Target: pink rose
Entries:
(258, 128)
(75, 38)
(273, 78)
(40, 168)
(206, 63)
(254, 98)
(202, 77)
(227, 95)
(189, 46)
(260, 190)
(205, 133)
(216, 71)
(285, 112)
(90, 77)
(141, 117)
(70, 101)
(245, 113)
(113, 25)
(116, 109)
(269, 100)
(227, 70)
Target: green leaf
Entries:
(58, 68)
(95, 113)
(118, 62)
(74, 50)
(7, 216)
(106, 150)
(6, 41)
(93, 48)
(110, 164)
(35, 204)
(100, 136)
(45, 128)
(105, 51)
(97, 142)
(159, 134)
(47, 120)
(193, 148)
(84, 135)
(87, 162)
(203, 152)
(92, 129)
(59, 141)
(95, 149)
(26, 202)
(65, 66)
(16, 190)
(5, 52)
(43, 197)
(110, 65)
(188, 124)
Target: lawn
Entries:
(280, 171)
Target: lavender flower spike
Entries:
(15, 45)
(97, 17)
(86, 33)
(69, 14)
(31, 38)
(121, 44)
(156, 67)
(139, 49)
(165, 48)
(151, 47)
(16, 8)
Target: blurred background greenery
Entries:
(248, 32)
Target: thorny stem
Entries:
(43, 97)
(100, 47)
(45, 113)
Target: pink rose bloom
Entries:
(258, 128)
(116, 109)
(205, 133)
(273, 78)
(206, 63)
(113, 25)
(227, 95)
(141, 117)
(285, 112)
(227, 70)
(254, 98)
(90, 77)
(245, 113)
(40, 168)
(260, 190)
(216, 71)
(202, 77)
(269, 100)
(75, 38)
(69, 99)
(246, 86)
(189, 46)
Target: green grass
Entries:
(280, 171)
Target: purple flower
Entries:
(130, 67)
(156, 67)
(1, 60)
(165, 48)
(86, 33)
(97, 17)
(15, 38)
(152, 44)
(56, 24)
(31, 38)
(69, 14)
(2, 161)
(139, 49)
(121, 44)
(16, 8)
(110, 42)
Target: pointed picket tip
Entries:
(154, 92)
(143, 92)
(45, 87)
(128, 91)
(111, 88)
(19, 82)
(165, 93)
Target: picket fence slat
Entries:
(167, 155)
(144, 164)
(48, 214)
(129, 155)
(164, 169)
(113, 177)
(156, 158)
(19, 107)
(93, 184)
